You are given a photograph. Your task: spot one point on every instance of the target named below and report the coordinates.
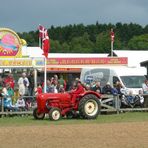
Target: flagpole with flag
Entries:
(41, 31)
(39, 37)
(43, 34)
(112, 41)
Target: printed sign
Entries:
(10, 44)
(17, 62)
(86, 61)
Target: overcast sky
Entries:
(26, 15)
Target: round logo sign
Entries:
(10, 43)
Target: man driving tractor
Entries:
(79, 89)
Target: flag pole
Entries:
(112, 48)
(39, 38)
(112, 42)
(44, 44)
(45, 74)
(39, 42)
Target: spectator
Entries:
(10, 90)
(107, 89)
(61, 81)
(1, 82)
(39, 89)
(141, 96)
(16, 96)
(23, 84)
(96, 87)
(55, 86)
(20, 104)
(7, 98)
(130, 97)
(87, 87)
(55, 80)
(50, 87)
(31, 83)
(9, 79)
(145, 87)
(61, 89)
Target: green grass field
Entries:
(113, 118)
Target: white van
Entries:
(130, 78)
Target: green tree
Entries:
(55, 46)
(139, 42)
(81, 44)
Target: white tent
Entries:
(37, 52)
(134, 57)
(32, 52)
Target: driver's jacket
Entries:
(78, 90)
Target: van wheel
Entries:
(89, 107)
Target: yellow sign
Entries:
(17, 62)
(10, 44)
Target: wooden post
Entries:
(35, 78)
(2, 109)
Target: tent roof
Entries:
(134, 57)
(37, 52)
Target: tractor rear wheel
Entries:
(37, 115)
(89, 106)
(54, 114)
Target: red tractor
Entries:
(57, 105)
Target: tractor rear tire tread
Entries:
(82, 103)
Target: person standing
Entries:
(62, 82)
(145, 87)
(23, 84)
(31, 83)
(9, 79)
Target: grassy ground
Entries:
(113, 118)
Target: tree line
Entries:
(94, 38)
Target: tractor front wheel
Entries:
(37, 115)
(54, 114)
(89, 106)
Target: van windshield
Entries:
(133, 81)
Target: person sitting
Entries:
(78, 90)
(87, 87)
(130, 97)
(107, 89)
(20, 104)
(141, 96)
(96, 87)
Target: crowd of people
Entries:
(13, 91)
